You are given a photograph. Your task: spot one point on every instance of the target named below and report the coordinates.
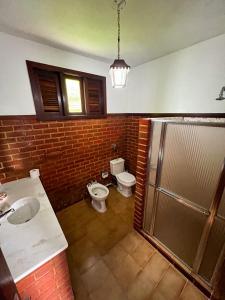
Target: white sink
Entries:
(25, 209)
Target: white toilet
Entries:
(98, 193)
(125, 180)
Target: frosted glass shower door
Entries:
(182, 192)
(192, 162)
(215, 244)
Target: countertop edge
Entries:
(15, 190)
(28, 272)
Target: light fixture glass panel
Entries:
(119, 77)
(73, 95)
(119, 69)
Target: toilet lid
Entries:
(126, 177)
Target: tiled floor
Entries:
(108, 260)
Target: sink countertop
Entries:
(29, 245)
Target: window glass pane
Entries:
(73, 95)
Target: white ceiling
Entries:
(150, 28)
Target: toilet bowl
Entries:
(98, 193)
(125, 180)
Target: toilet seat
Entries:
(126, 178)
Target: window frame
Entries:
(62, 73)
(63, 78)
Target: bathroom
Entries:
(85, 185)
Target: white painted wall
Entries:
(15, 92)
(186, 81)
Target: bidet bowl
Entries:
(25, 210)
(98, 192)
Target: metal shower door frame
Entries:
(210, 213)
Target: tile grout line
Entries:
(142, 268)
(157, 284)
(186, 283)
(170, 266)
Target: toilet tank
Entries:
(116, 166)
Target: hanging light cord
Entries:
(119, 5)
(118, 24)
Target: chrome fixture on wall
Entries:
(221, 96)
(119, 69)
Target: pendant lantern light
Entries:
(119, 69)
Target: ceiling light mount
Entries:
(119, 69)
(119, 4)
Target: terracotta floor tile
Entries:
(156, 267)
(85, 217)
(120, 206)
(110, 290)
(63, 214)
(142, 253)
(77, 233)
(108, 215)
(96, 230)
(114, 223)
(66, 222)
(96, 276)
(108, 260)
(141, 288)
(76, 279)
(81, 294)
(115, 257)
(124, 268)
(127, 218)
(120, 232)
(131, 241)
(105, 244)
(191, 292)
(170, 286)
(84, 253)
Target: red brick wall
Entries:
(68, 153)
(51, 281)
(141, 171)
(132, 127)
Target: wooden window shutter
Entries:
(47, 93)
(94, 92)
(56, 98)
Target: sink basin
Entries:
(25, 209)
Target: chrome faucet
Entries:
(2, 214)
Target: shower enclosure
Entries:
(185, 200)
